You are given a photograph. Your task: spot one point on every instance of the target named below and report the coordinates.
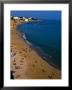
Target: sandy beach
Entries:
(25, 61)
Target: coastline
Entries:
(43, 55)
(26, 63)
(48, 58)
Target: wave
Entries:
(37, 48)
(24, 37)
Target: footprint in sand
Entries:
(22, 58)
(20, 52)
(17, 67)
(35, 61)
(14, 63)
(23, 49)
(21, 61)
(43, 70)
(14, 54)
(49, 76)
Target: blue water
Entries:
(45, 34)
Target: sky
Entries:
(54, 15)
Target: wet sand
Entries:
(25, 62)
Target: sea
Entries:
(45, 37)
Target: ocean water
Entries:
(45, 35)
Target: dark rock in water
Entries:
(44, 58)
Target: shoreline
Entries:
(26, 63)
(40, 52)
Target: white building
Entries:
(26, 20)
(15, 18)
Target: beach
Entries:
(26, 63)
